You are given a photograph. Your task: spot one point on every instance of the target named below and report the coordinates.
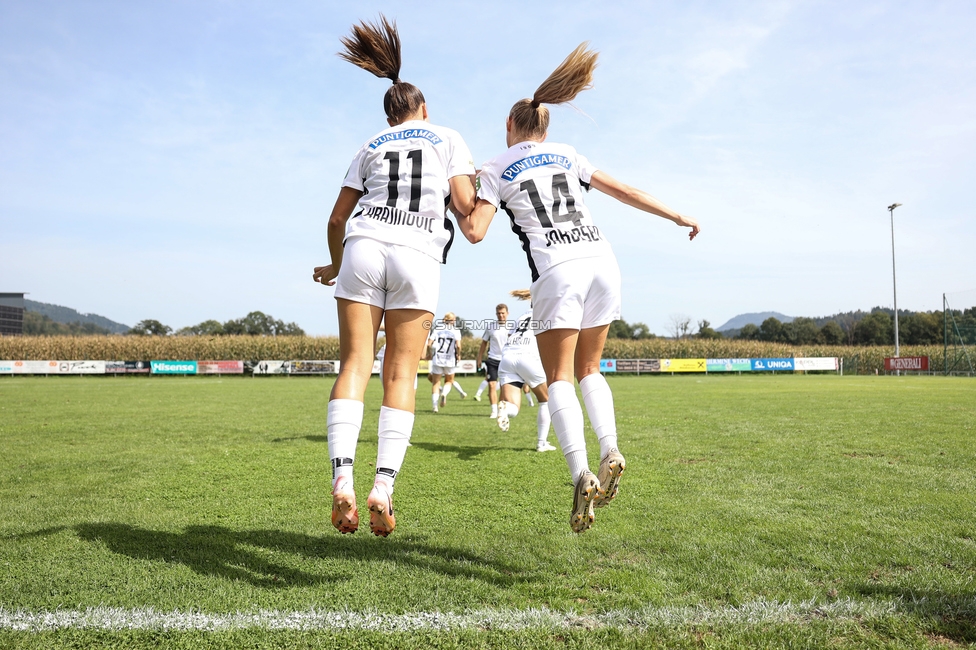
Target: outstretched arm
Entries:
(641, 200)
(344, 205)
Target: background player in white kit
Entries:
(492, 342)
(444, 344)
(575, 277)
(386, 261)
(521, 368)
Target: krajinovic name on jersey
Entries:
(406, 134)
(579, 233)
(532, 162)
(396, 217)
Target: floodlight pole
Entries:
(894, 283)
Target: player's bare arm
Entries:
(641, 200)
(345, 203)
(462, 194)
(475, 225)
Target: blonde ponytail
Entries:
(574, 75)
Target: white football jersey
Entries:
(540, 185)
(521, 338)
(404, 175)
(445, 343)
(496, 334)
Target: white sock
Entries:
(344, 419)
(436, 395)
(511, 409)
(446, 389)
(529, 397)
(482, 387)
(542, 421)
(394, 436)
(567, 420)
(599, 407)
(494, 409)
(459, 389)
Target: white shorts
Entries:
(577, 294)
(521, 368)
(441, 370)
(389, 276)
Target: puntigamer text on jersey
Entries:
(531, 162)
(406, 134)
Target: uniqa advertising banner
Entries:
(174, 367)
(767, 365)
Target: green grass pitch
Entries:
(771, 511)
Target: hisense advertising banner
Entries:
(174, 367)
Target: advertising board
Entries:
(174, 367)
(220, 367)
(767, 365)
(915, 364)
(683, 365)
(728, 365)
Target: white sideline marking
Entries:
(112, 618)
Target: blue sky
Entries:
(178, 160)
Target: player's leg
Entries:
(482, 387)
(601, 308)
(528, 394)
(492, 377)
(557, 348)
(458, 388)
(542, 418)
(448, 384)
(508, 405)
(357, 323)
(435, 389)
(405, 335)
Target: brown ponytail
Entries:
(529, 117)
(375, 47)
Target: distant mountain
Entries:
(60, 314)
(740, 321)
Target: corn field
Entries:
(857, 360)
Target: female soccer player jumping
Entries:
(386, 261)
(575, 277)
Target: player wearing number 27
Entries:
(386, 262)
(575, 278)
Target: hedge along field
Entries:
(857, 360)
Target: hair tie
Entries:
(397, 81)
(535, 103)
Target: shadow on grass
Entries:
(950, 615)
(463, 453)
(310, 438)
(243, 555)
